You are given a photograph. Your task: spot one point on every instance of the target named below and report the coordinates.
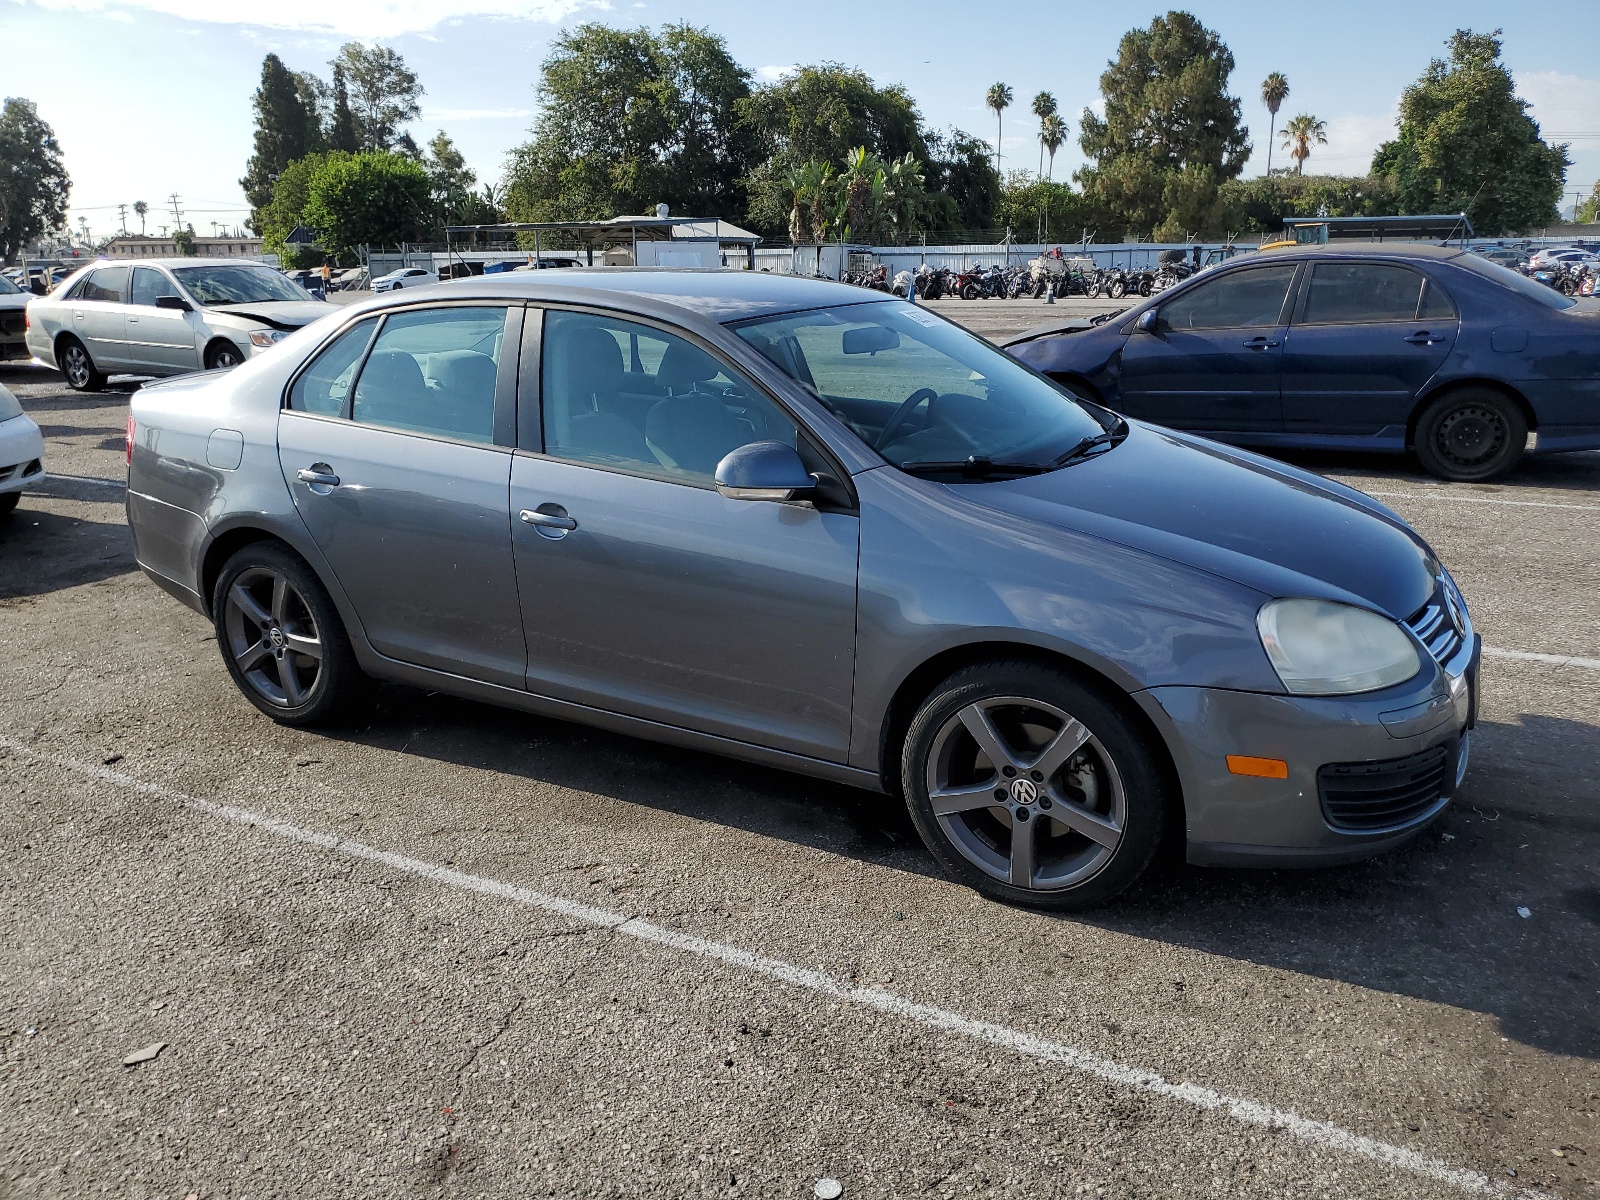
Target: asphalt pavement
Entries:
(455, 950)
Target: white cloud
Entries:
(771, 74)
(345, 18)
(117, 14)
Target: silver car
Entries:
(164, 317)
(803, 524)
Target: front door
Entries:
(100, 317)
(389, 448)
(1366, 338)
(1213, 361)
(162, 339)
(644, 590)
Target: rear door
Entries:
(162, 339)
(1366, 338)
(100, 316)
(1213, 361)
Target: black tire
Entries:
(1471, 435)
(970, 292)
(260, 651)
(1118, 289)
(1114, 783)
(1039, 290)
(221, 355)
(1093, 290)
(9, 502)
(73, 359)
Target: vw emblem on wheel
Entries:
(276, 637)
(1024, 791)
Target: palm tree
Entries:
(1044, 105)
(141, 209)
(1274, 91)
(1299, 135)
(998, 98)
(1052, 132)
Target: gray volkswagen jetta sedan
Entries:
(801, 524)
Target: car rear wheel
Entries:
(9, 502)
(282, 639)
(1032, 788)
(79, 368)
(1471, 435)
(221, 355)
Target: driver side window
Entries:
(631, 397)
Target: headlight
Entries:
(1323, 649)
(266, 337)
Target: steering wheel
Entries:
(892, 427)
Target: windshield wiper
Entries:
(975, 467)
(1083, 449)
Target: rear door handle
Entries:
(1424, 339)
(1260, 343)
(317, 478)
(548, 520)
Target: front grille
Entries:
(1380, 795)
(12, 326)
(1441, 624)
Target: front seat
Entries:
(585, 382)
(693, 432)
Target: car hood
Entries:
(279, 314)
(1269, 527)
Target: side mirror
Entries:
(174, 302)
(764, 471)
(1149, 321)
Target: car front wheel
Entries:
(1032, 788)
(282, 639)
(223, 355)
(1471, 435)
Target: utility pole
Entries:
(177, 210)
(122, 216)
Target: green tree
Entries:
(1052, 133)
(287, 207)
(1274, 91)
(377, 197)
(632, 118)
(285, 130)
(451, 181)
(997, 99)
(1043, 107)
(1028, 202)
(963, 186)
(34, 185)
(1299, 135)
(341, 127)
(183, 241)
(1466, 143)
(1171, 135)
(1259, 205)
(1589, 211)
(382, 95)
(141, 210)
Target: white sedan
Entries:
(21, 451)
(403, 278)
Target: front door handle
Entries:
(1259, 343)
(1423, 339)
(318, 476)
(546, 520)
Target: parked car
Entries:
(403, 278)
(1373, 347)
(165, 317)
(13, 320)
(21, 451)
(796, 522)
(1558, 255)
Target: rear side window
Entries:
(434, 371)
(324, 386)
(1237, 299)
(1359, 293)
(108, 283)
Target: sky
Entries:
(152, 97)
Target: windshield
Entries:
(1515, 280)
(920, 390)
(7, 288)
(238, 284)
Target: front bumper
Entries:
(21, 454)
(1239, 820)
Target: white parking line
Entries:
(1027, 1045)
(1453, 498)
(1555, 660)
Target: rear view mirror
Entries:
(174, 302)
(1149, 321)
(870, 339)
(764, 471)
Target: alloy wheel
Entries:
(1026, 793)
(273, 637)
(227, 357)
(76, 366)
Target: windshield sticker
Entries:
(916, 314)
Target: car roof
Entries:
(169, 263)
(718, 294)
(1381, 249)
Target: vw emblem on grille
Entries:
(1024, 791)
(1454, 604)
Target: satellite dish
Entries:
(661, 211)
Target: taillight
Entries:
(129, 440)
